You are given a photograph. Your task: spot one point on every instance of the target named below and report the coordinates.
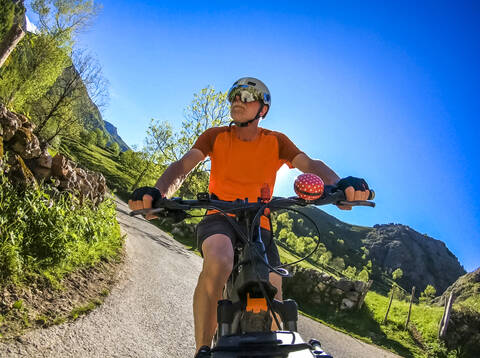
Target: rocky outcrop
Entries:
(30, 163)
(313, 287)
(422, 259)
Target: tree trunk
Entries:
(12, 38)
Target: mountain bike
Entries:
(244, 316)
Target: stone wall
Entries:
(30, 162)
(313, 287)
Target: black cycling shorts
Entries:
(218, 224)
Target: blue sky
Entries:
(382, 90)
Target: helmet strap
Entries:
(245, 124)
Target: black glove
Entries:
(356, 183)
(146, 190)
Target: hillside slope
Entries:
(422, 259)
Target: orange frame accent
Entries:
(256, 305)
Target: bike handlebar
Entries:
(331, 196)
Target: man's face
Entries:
(245, 111)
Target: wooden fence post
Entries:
(442, 331)
(410, 308)
(389, 304)
(364, 294)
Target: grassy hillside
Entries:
(100, 160)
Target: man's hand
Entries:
(354, 189)
(143, 198)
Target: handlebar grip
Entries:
(372, 195)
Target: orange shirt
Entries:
(239, 169)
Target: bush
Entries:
(40, 234)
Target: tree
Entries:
(363, 275)
(325, 258)
(102, 138)
(61, 111)
(89, 137)
(40, 58)
(350, 272)
(31, 70)
(397, 274)
(338, 263)
(64, 19)
(12, 27)
(428, 294)
(115, 148)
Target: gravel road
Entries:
(149, 312)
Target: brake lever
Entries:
(145, 211)
(356, 203)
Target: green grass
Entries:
(419, 340)
(50, 236)
(100, 160)
(82, 310)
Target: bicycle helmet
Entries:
(250, 89)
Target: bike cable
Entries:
(264, 293)
(316, 246)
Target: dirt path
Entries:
(149, 313)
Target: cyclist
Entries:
(244, 159)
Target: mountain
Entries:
(112, 130)
(423, 260)
(89, 111)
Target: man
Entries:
(244, 159)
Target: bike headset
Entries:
(250, 89)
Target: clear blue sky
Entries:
(388, 91)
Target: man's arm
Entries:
(176, 173)
(168, 183)
(307, 165)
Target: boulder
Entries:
(345, 285)
(60, 166)
(19, 173)
(347, 304)
(10, 123)
(25, 143)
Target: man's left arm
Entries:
(307, 165)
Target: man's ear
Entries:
(264, 110)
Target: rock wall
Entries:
(312, 287)
(31, 163)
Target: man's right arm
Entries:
(176, 173)
(170, 180)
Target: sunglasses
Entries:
(245, 95)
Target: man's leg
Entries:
(217, 265)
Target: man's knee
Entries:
(217, 255)
(276, 281)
